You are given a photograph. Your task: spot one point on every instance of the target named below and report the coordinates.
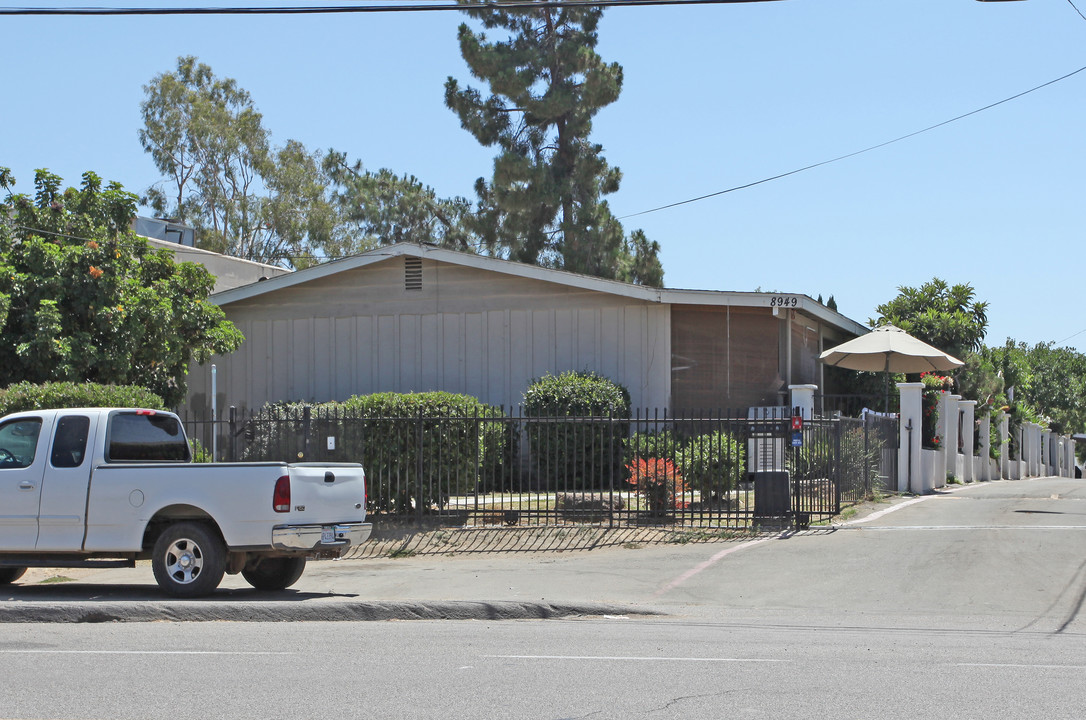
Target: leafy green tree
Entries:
(83, 299)
(381, 208)
(949, 318)
(1050, 380)
(222, 175)
(544, 204)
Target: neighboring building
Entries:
(413, 318)
(229, 272)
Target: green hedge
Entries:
(459, 440)
(28, 396)
(580, 454)
(713, 463)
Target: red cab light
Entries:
(281, 496)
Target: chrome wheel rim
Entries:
(184, 561)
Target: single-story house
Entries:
(414, 317)
(229, 272)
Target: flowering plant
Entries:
(934, 386)
(659, 482)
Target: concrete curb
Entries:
(196, 611)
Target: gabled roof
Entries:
(560, 277)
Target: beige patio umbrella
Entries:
(889, 349)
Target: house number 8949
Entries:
(784, 301)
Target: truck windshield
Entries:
(146, 438)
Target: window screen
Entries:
(146, 438)
(70, 441)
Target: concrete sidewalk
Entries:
(610, 579)
(504, 573)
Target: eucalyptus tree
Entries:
(545, 202)
(221, 173)
(382, 207)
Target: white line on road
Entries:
(607, 658)
(887, 511)
(1022, 665)
(971, 527)
(137, 652)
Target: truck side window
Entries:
(70, 441)
(19, 442)
(137, 437)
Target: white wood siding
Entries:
(468, 331)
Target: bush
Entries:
(200, 454)
(712, 463)
(653, 443)
(659, 483)
(451, 438)
(812, 461)
(579, 454)
(29, 396)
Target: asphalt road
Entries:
(967, 604)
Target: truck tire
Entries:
(274, 573)
(188, 560)
(8, 575)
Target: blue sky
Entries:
(714, 97)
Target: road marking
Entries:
(970, 527)
(887, 511)
(1022, 665)
(137, 652)
(708, 563)
(611, 658)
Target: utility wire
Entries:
(857, 152)
(340, 9)
(1081, 16)
(1061, 342)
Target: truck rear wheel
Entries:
(274, 573)
(8, 575)
(188, 560)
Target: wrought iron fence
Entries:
(514, 468)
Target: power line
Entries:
(857, 152)
(1061, 342)
(343, 9)
(1076, 9)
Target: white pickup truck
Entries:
(107, 487)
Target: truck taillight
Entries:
(281, 496)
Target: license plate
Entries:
(328, 536)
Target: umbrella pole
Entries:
(886, 386)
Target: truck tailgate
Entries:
(326, 493)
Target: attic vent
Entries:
(412, 273)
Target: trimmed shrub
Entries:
(712, 463)
(452, 439)
(579, 454)
(653, 443)
(29, 396)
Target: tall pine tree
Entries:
(544, 204)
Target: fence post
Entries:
(868, 423)
(233, 434)
(418, 470)
(611, 462)
(306, 424)
(838, 471)
(968, 439)
(910, 474)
